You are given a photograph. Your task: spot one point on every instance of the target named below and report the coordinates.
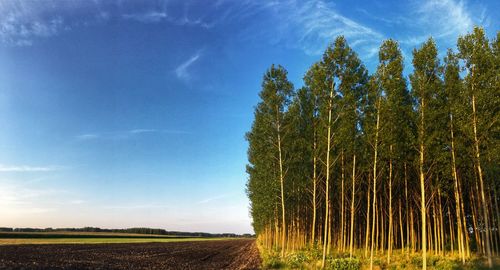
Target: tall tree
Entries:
(397, 111)
(476, 53)
(424, 80)
(315, 85)
(453, 88)
(270, 123)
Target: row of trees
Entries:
(357, 161)
(140, 230)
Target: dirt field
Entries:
(223, 254)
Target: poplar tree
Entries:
(397, 112)
(424, 81)
(453, 88)
(270, 129)
(475, 51)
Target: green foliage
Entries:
(447, 265)
(272, 260)
(344, 264)
(296, 260)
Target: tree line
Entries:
(375, 162)
(140, 230)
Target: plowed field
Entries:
(220, 254)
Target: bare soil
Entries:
(221, 254)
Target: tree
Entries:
(424, 80)
(453, 88)
(397, 110)
(270, 127)
(475, 51)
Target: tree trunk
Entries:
(422, 186)
(407, 209)
(389, 240)
(313, 227)
(327, 180)
(481, 181)
(367, 233)
(342, 212)
(282, 180)
(460, 231)
(351, 238)
(375, 180)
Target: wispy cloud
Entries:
(27, 168)
(319, 23)
(182, 70)
(215, 198)
(148, 17)
(24, 22)
(77, 202)
(448, 17)
(142, 130)
(18, 30)
(19, 200)
(310, 25)
(155, 16)
(443, 19)
(137, 206)
(87, 136)
(125, 134)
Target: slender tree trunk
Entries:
(389, 240)
(367, 233)
(407, 209)
(460, 231)
(327, 180)
(481, 181)
(342, 212)
(375, 181)
(497, 218)
(475, 216)
(412, 231)
(328, 248)
(452, 234)
(441, 223)
(313, 227)
(282, 180)
(401, 227)
(351, 239)
(464, 222)
(434, 228)
(422, 185)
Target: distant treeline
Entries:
(129, 230)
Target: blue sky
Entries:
(133, 113)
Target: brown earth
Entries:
(221, 254)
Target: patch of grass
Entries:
(310, 258)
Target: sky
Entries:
(120, 113)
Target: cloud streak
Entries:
(126, 134)
(27, 168)
(182, 71)
(148, 17)
(215, 198)
(446, 17)
(444, 20)
(319, 23)
(308, 25)
(24, 22)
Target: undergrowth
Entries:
(310, 258)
